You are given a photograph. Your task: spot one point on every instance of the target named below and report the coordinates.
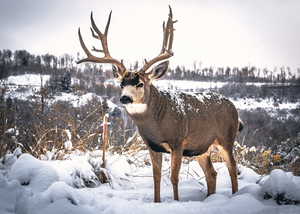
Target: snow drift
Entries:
(31, 186)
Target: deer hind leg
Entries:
(176, 157)
(231, 165)
(156, 159)
(209, 172)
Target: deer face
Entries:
(133, 89)
(135, 86)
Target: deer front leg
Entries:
(156, 159)
(176, 157)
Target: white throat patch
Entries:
(136, 108)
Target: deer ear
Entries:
(115, 72)
(159, 70)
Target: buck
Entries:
(177, 123)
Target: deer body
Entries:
(189, 121)
(187, 125)
(180, 124)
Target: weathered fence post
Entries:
(102, 174)
(105, 139)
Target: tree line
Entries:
(21, 61)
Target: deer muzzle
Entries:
(126, 99)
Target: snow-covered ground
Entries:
(31, 186)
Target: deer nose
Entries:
(125, 100)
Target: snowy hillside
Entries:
(33, 81)
(31, 186)
(30, 84)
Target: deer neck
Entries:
(151, 109)
(157, 104)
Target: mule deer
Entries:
(178, 123)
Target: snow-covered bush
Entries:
(281, 186)
(76, 170)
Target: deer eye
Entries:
(140, 85)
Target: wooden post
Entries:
(102, 174)
(105, 139)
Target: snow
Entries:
(187, 85)
(68, 143)
(9, 191)
(24, 86)
(28, 79)
(34, 186)
(112, 82)
(75, 100)
(10, 131)
(35, 174)
(280, 182)
(251, 103)
(9, 159)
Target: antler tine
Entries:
(166, 50)
(93, 33)
(96, 33)
(171, 32)
(87, 52)
(107, 24)
(168, 33)
(164, 38)
(102, 37)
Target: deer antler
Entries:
(166, 50)
(96, 33)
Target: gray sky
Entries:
(215, 32)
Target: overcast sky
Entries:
(215, 32)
